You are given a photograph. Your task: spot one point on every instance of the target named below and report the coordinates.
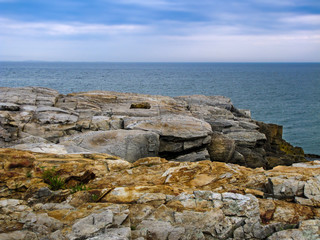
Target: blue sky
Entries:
(160, 30)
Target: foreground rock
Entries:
(106, 197)
(132, 126)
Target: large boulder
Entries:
(221, 148)
(130, 145)
(178, 134)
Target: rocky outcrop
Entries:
(106, 197)
(106, 165)
(133, 126)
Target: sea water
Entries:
(283, 93)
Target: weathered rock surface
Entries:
(130, 145)
(153, 198)
(187, 128)
(148, 167)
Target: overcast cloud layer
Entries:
(161, 30)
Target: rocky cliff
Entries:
(106, 165)
(133, 126)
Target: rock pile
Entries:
(106, 197)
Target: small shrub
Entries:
(51, 177)
(29, 174)
(79, 187)
(94, 197)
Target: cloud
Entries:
(311, 19)
(163, 30)
(150, 3)
(8, 26)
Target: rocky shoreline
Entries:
(106, 165)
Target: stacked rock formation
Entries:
(133, 126)
(106, 165)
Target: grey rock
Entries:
(207, 195)
(10, 202)
(130, 145)
(29, 139)
(114, 234)
(151, 229)
(240, 205)
(221, 148)
(285, 188)
(51, 115)
(175, 126)
(312, 190)
(9, 107)
(246, 138)
(212, 222)
(193, 157)
(29, 96)
(249, 157)
(92, 224)
(316, 164)
(42, 148)
(19, 235)
(246, 124)
(104, 123)
(42, 223)
(245, 112)
(221, 123)
(51, 132)
(215, 101)
(307, 230)
(56, 206)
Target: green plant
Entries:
(94, 197)
(79, 187)
(51, 177)
(29, 174)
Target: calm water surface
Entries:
(284, 93)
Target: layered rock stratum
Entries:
(106, 165)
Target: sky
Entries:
(160, 30)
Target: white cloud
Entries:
(8, 26)
(311, 19)
(163, 41)
(149, 3)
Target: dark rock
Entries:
(221, 148)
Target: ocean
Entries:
(283, 93)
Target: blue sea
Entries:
(283, 93)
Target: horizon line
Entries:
(63, 61)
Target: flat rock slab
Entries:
(180, 127)
(50, 115)
(130, 145)
(29, 96)
(246, 138)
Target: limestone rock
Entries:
(114, 234)
(51, 115)
(91, 225)
(154, 199)
(9, 107)
(29, 96)
(130, 145)
(221, 148)
(179, 127)
(246, 138)
(42, 147)
(184, 124)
